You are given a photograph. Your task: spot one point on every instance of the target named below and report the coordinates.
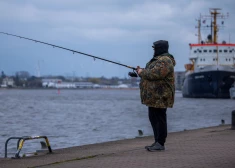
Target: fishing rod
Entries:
(74, 51)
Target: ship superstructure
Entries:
(211, 72)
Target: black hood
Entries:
(165, 54)
(160, 47)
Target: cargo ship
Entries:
(211, 71)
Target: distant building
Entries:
(7, 82)
(179, 79)
(50, 82)
(69, 85)
(84, 84)
(58, 83)
(122, 86)
(96, 86)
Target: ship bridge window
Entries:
(204, 50)
(230, 51)
(210, 51)
(215, 50)
(225, 51)
(220, 50)
(195, 51)
(199, 51)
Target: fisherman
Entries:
(157, 91)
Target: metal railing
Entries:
(21, 141)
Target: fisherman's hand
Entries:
(139, 70)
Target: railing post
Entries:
(48, 144)
(19, 138)
(233, 120)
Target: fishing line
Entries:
(73, 51)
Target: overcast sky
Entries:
(118, 30)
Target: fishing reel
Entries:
(133, 74)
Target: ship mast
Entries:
(214, 13)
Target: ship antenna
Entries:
(199, 29)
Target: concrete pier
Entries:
(207, 147)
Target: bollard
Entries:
(233, 120)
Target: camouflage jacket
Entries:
(157, 88)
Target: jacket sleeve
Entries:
(159, 70)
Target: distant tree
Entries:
(32, 78)
(61, 77)
(36, 83)
(3, 75)
(134, 81)
(76, 80)
(17, 80)
(23, 74)
(102, 78)
(94, 80)
(114, 80)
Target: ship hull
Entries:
(211, 84)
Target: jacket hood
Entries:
(160, 47)
(168, 55)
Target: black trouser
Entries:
(157, 118)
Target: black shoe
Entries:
(146, 147)
(156, 147)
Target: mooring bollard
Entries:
(233, 120)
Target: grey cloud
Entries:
(111, 23)
(113, 19)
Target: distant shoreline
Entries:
(177, 91)
(69, 89)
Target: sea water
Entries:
(78, 117)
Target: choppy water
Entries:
(78, 117)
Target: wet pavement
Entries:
(207, 147)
